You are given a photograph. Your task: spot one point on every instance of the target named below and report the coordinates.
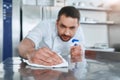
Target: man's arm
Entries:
(43, 56)
(76, 53)
(26, 47)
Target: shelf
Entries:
(104, 49)
(93, 8)
(100, 23)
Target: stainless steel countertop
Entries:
(98, 67)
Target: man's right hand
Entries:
(44, 56)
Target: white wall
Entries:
(15, 26)
(31, 16)
(93, 33)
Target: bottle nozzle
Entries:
(75, 41)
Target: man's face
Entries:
(67, 27)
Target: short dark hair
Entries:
(69, 11)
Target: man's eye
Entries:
(62, 26)
(72, 28)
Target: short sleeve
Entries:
(36, 34)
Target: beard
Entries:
(65, 38)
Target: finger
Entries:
(49, 56)
(57, 58)
(46, 59)
(44, 55)
(74, 48)
(40, 58)
(53, 56)
(42, 62)
(48, 62)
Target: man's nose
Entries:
(67, 32)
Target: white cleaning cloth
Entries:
(64, 64)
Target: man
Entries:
(48, 39)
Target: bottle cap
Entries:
(75, 41)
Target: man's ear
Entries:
(78, 24)
(56, 22)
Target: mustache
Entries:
(65, 35)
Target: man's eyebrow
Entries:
(66, 26)
(63, 25)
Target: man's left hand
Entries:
(76, 53)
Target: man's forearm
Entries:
(43, 55)
(25, 48)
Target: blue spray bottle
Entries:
(75, 42)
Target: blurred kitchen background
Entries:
(100, 20)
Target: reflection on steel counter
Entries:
(48, 74)
(103, 66)
(39, 74)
